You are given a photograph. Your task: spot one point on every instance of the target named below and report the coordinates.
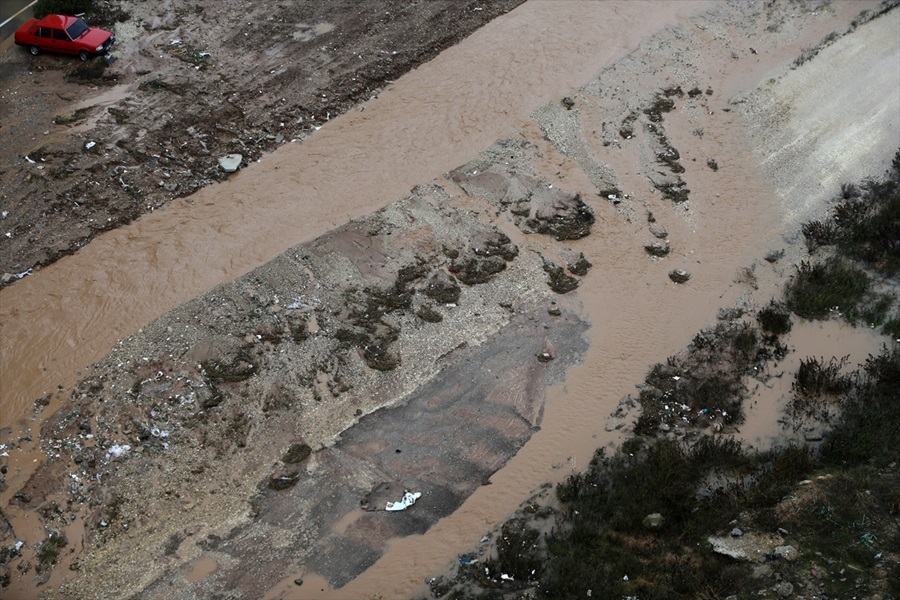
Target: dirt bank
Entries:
(418, 347)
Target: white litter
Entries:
(117, 450)
(409, 498)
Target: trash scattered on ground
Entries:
(467, 559)
(409, 498)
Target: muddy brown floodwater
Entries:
(504, 82)
(429, 122)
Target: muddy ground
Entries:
(82, 152)
(253, 436)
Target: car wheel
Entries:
(84, 56)
(34, 50)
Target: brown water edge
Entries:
(69, 315)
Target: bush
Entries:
(775, 318)
(62, 7)
(816, 289)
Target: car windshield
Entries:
(77, 29)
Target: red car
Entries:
(64, 34)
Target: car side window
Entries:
(59, 34)
(45, 32)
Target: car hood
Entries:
(94, 37)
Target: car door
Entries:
(61, 41)
(44, 39)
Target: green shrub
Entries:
(775, 318)
(62, 7)
(816, 289)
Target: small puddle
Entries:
(821, 340)
(201, 569)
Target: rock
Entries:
(429, 315)
(657, 249)
(784, 589)
(285, 481)
(6, 278)
(750, 546)
(580, 266)
(679, 276)
(568, 218)
(231, 162)
(736, 532)
(545, 357)
(787, 553)
(659, 232)
(558, 280)
(296, 453)
(712, 164)
(762, 571)
(654, 521)
(568, 103)
(442, 288)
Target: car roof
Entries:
(60, 21)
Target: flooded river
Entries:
(58, 321)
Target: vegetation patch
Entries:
(865, 224)
(775, 318)
(835, 285)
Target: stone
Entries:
(230, 162)
(659, 232)
(657, 249)
(654, 521)
(750, 546)
(784, 589)
(787, 553)
(679, 276)
(736, 532)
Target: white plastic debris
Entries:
(90, 145)
(506, 577)
(409, 498)
(19, 545)
(116, 450)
